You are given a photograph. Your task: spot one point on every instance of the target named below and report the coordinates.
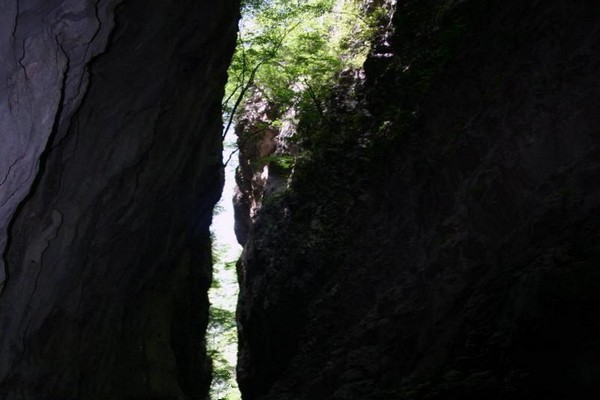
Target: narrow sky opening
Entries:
(222, 331)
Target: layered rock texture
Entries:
(109, 168)
(441, 238)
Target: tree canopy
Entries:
(289, 51)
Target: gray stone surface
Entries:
(109, 168)
(45, 49)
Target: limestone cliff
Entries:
(109, 168)
(263, 151)
(441, 239)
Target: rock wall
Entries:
(256, 141)
(441, 241)
(110, 164)
(264, 150)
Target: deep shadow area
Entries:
(438, 239)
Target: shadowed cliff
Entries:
(439, 237)
(110, 164)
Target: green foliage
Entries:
(222, 329)
(284, 162)
(290, 51)
(223, 374)
(222, 320)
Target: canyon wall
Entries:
(110, 164)
(440, 237)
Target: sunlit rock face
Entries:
(447, 246)
(260, 145)
(109, 168)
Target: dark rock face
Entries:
(110, 165)
(447, 246)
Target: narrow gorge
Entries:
(422, 223)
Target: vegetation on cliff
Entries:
(289, 55)
(290, 52)
(221, 332)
